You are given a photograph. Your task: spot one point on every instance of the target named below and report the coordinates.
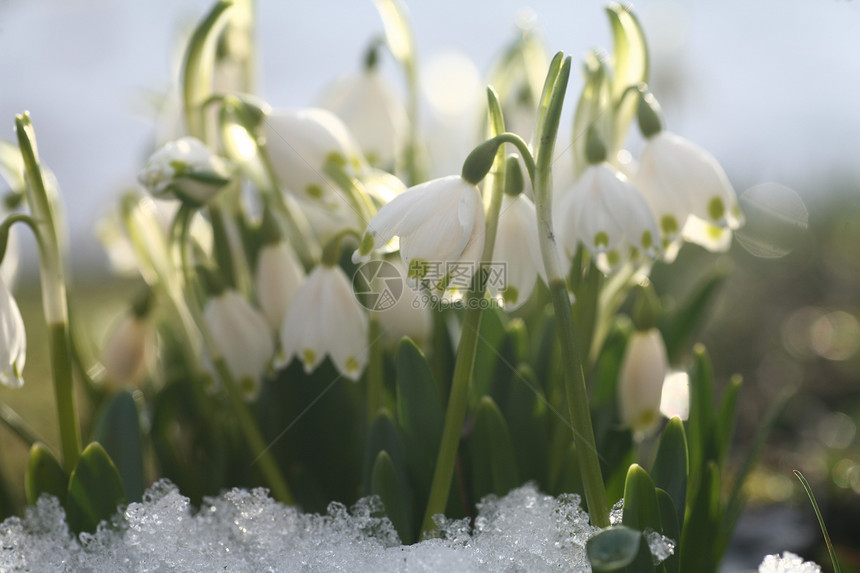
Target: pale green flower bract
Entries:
(13, 340)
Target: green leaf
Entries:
(726, 420)
(640, 501)
(630, 62)
(95, 490)
(491, 336)
(494, 465)
(613, 549)
(525, 408)
(700, 422)
(118, 431)
(398, 33)
(608, 364)
(700, 533)
(44, 475)
(199, 68)
(387, 484)
(678, 326)
(671, 527)
(671, 465)
(419, 413)
(382, 436)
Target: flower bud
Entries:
(640, 382)
(185, 169)
(129, 348)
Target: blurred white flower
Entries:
(609, 216)
(242, 336)
(279, 275)
(374, 114)
(688, 192)
(640, 381)
(129, 349)
(441, 228)
(13, 340)
(300, 142)
(675, 397)
(185, 169)
(518, 249)
(325, 318)
(408, 316)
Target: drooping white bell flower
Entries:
(373, 112)
(300, 142)
(13, 340)
(516, 253)
(325, 319)
(441, 228)
(242, 336)
(640, 381)
(279, 275)
(185, 169)
(682, 181)
(129, 348)
(609, 216)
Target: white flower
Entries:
(242, 336)
(408, 316)
(185, 169)
(675, 397)
(609, 216)
(688, 191)
(517, 248)
(129, 348)
(640, 381)
(787, 563)
(300, 142)
(279, 276)
(13, 340)
(441, 228)
(325, 318)
(374, 114)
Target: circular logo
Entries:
(378, 285)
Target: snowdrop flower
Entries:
(374, 114)
(129, 349)
(300, 142)
(279, 274)
(675, 397)
(517, 246)
(609, 216)
(13, 340)
(185, 169)
(640, 381)
(242, 336)
(685, 186)
(441, 228)
(325, 318)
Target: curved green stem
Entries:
(575, 388)
(463, 367)
(53, 293)
(353, 189)
(272, 474)
(375, 374)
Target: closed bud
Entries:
(187, 170)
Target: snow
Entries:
(242, 530)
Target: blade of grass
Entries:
(820, 520)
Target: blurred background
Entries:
(771, 88)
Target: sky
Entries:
(770, 87)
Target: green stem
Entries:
(353, 189)
(53, 292)
(18, 425)
(467, 348)
(454, 416)
(259, 449)
(375, 374)
(574, 377)
(61, 361)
